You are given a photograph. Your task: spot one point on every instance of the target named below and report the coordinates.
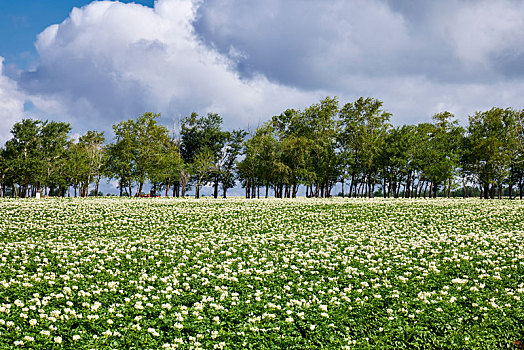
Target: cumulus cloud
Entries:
(249, 60)
(417, 56)
(111, 61)
(310, 44)
(11, 104)
(485, 31)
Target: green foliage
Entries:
(489, 147)
(139, 152)
(118, 273)
(316, 147)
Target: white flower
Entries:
(459, 281)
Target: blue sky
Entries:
(94, 64)
(22, 20)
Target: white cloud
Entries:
(479, 30)
(111, 61)
(247, 61)
(11, 105)
(311, 44)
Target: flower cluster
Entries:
(233, 274)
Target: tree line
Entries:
(327, 143)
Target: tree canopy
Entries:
(353, 144)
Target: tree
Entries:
(138, 151)
(93, 144)
(169, 167)
(202, 164)
(151, 139)
(23, 155)
(395, 161)
(321, 125)
(230, 153)
(444, 151)
(204, 135)
(516, 146)
(488, 148)
(121, 158)
(4, 171)
(54, 141)
(248, 167)
(77, 168)
(363, 128)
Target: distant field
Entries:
(261, 274)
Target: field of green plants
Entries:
(261, 274)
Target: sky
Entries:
(93, 64)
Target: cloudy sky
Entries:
(95, 63)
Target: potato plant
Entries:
(261, 274)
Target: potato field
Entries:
(158, 273)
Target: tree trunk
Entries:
(168, 185)
(215, 188)
(97, 182)
(371, 187)
(351, 185)
(267, 189)
(197, 190)
(407, 186)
